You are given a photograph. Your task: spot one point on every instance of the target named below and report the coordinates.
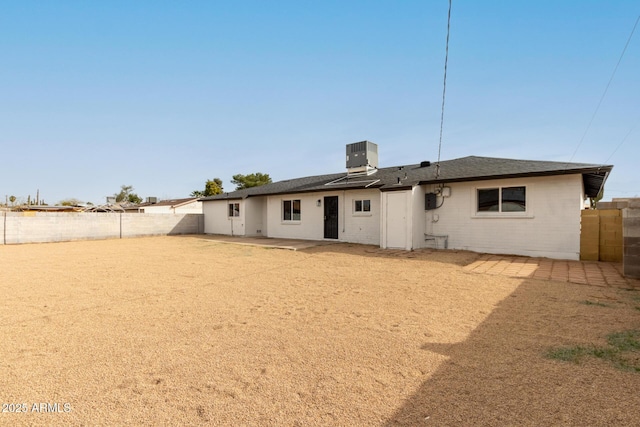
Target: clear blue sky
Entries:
(165, 95)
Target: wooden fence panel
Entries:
(601, 235)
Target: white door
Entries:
(237, 226)
(396, 220)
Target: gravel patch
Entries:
(188, 331)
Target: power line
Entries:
(605, 90)
(444, 89)
(622, 142)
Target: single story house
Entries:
(482, 204)
(190, 205)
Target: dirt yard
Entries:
(189, 331)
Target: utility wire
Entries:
(622, 142)
(444, 89)
(605, 92)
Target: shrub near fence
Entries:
(41, 227)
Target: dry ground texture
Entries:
(189, 331)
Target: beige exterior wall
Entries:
(361, 227)
(217, 220)
(193, 207)
(549, 228)
(352, 227)
(397, 220)
(253, 215)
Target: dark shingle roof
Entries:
(470, 168)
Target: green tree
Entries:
(593, 201)
(211, 188)
(252, 180)
(69, 202)
(126, 194)
(12, 199)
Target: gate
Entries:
(601, 235)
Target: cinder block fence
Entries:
(601, 227)
(41, 227)
(631, 236)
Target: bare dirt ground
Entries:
(189, 331)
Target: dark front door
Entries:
(331, 217)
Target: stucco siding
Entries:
(550, 227)
(418, 228)
(253, 214)
(353, 227)
(194, 207)
(311, 221)
(217, 220)
(361, 227)
(397, 219)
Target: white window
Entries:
(362, 206)
(502, 199)
(234, 209)
(291, 210)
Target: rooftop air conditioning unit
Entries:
(152, 200)
(362, 157)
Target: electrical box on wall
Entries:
(429, 201)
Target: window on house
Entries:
(362, 206)
(502, 199)
(234, 209)
(291, 210)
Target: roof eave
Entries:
(582, 171)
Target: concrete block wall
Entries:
(631, 236)
(615, 203)
(42, 227)
(135, 225)
(3, 220)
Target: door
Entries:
(396, 220)
(331, 217)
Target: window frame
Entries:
(500, 212)
(291, 210)
(362, 211)
(231, 209)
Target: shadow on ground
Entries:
(500, 375)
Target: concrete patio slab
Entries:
(605, 274)
(269, 242)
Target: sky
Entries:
(164, 95)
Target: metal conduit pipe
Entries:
(435, 238)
